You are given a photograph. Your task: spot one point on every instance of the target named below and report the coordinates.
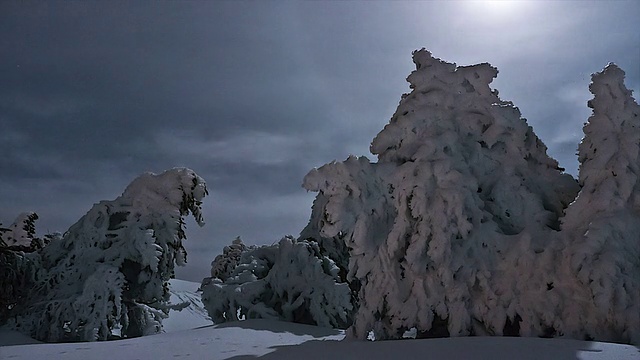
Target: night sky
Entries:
(252, 95)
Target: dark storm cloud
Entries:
(89, 89)
(145, 69)
(252, 95)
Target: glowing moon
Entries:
(497, 8)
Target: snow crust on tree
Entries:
(291, 280)
(451, 230)
(602, 226)
(108, 274)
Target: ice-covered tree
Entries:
(602, 227)
(445, 231)
(291, 280)
(108, 275)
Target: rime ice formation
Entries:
(108, 275)
(602, 226)
(450, 231)
(292, 280)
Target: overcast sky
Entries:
(252, 95)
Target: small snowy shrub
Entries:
(292, 280)
(108, 274)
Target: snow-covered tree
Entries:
(19, 263)
(108, 275)
(224, 264)
(17, 276)
(602, 227)
(291, 280)
(446, 230)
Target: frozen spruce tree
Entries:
(292, 280)
(602, 227)
(107, 277)
(449, 232)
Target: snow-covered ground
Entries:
(268, 339)
(194, 315)
(190, 335)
